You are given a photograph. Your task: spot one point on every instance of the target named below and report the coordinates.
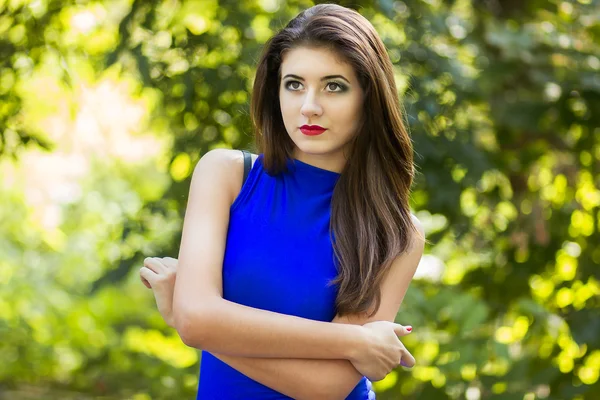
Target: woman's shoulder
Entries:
(227, 158)
(418, 224)
(418, 239)
(228, 164)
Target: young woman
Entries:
(290, 280)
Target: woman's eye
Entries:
(290, 83)
(334, 86)
(331, 86)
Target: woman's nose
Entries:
(311, 106)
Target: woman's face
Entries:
(317, 88)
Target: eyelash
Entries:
(342, 87)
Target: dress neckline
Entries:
(313, 168)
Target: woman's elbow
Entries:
(191, 325)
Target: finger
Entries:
(155, 264)
(407, 359)
(145, 282)
(170, 262)
(149, 275)
(402, 330)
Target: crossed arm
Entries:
(300, 358)
(305, 378)
(320, 378)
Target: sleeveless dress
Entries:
(279, 257)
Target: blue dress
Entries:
(278, 257)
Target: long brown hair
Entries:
(370, 214)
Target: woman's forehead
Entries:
(314, 63)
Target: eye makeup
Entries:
(341, 87)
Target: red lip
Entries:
(312, 130)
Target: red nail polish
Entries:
(409, 328)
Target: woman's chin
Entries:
(313, 149)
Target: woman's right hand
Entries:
(382, 350)
(159, 274)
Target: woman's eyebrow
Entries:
(323, 78)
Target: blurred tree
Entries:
(502, 99)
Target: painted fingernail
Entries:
(409, 328)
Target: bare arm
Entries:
(204, 319)
(330, 379)
(282, 375)
(301, 379)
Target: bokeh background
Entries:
(106, 106)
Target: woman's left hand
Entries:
(159, 275)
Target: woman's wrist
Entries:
(355, 342)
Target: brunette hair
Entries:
(371, 223)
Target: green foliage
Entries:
(122, 97)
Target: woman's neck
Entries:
(328, 161)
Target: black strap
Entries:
(247, 165)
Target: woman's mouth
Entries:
(312, 130)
